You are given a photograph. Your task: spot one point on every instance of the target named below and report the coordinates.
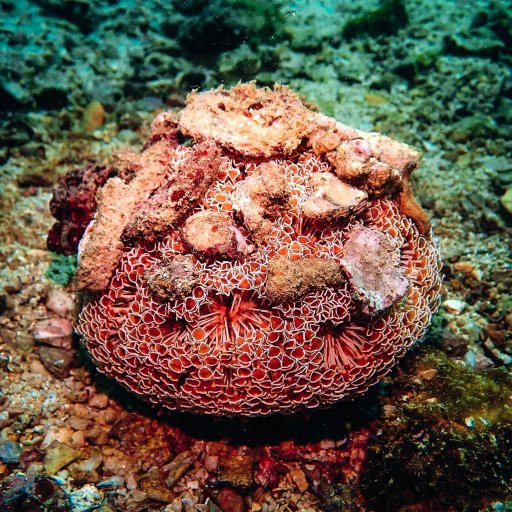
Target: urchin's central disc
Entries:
(278, 262)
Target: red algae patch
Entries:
(276, 261)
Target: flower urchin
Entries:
(277, 262)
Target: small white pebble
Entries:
(454, 306)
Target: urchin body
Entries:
(270, 266)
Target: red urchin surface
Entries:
(224, 344)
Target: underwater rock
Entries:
(291, 280)
(230, 501)
(30, 493)
(93, 116)
(58, 361)
(386, 19)
(173, 277)
(236, 471)
(445, 441)
(59, 455)
(239, 64)
(371, 261)
(332, 199)
(471, 127)
(54, 331)
(10, 452)
(506, 200)
(216, 293)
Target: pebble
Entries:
(92, 463)
(454, 306)
(506, 200)
(99, 401)
(56, 332)
(178, 467)
(59, 302)
(299, 479)
(58, 455)
(63, 435)
(230, 501)
(86, 499)
(56, 360)
(37, 368)
(10, 452)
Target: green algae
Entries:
(61, 269)
(445, 438)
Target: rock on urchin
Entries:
(277, 260)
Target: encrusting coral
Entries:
(274, 261)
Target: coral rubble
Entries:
(252, 271)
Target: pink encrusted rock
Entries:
(332, 199)
(261, 197)
(59, 302)
(371, 260)
(211, 234)
(101, 246)
(251, 121)
(378, 164)
(170, 204)
(54, 331)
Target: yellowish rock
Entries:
(94, 116)
(506, 200)
(59, 455)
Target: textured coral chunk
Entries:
(211, 234)
(332, 199)
(261, 197)
(251, 121)
(172, 278)
(242, 272)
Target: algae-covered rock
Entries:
(387, 18)
(445, 439)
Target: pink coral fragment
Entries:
(371, 260)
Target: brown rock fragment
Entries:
(378, 164)
(299, 479)
(172, 277)
(290, 280)
(371, 261)
(57, 361)
(182, 463)
(332, 199)
(59, 455)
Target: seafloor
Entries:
(79, 78)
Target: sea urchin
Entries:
(274, 260)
